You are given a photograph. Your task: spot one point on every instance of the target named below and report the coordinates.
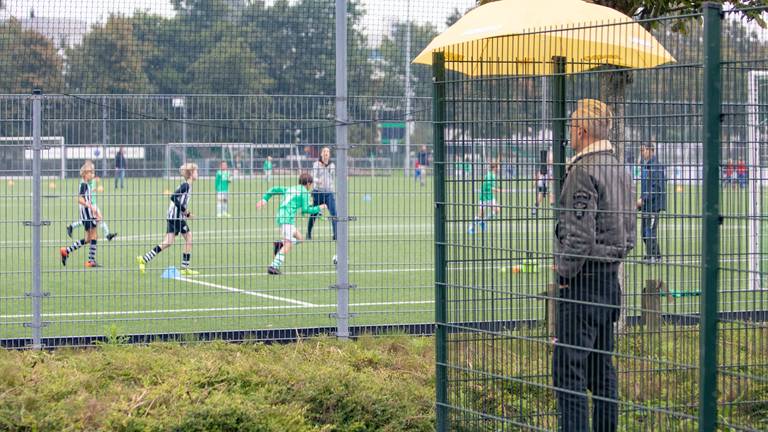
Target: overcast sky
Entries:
(381, 13)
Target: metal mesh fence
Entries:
(207, 82)
(543, 322)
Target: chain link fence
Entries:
(670, 337)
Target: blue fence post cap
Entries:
(171, 273)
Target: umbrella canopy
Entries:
(520, 37)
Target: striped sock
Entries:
(152, 253)
(278, 261)
(75, 246)
(92, 252)
(104, 228)
(185, 260)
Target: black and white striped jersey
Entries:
(85, 192)
(180, 202)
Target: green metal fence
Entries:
(689, 345)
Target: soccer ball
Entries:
(335, 261)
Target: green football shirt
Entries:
(222, 181)
(489, 184)
(295, 199)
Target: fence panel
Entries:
(502, 298)
(742, 352)
(16, 255)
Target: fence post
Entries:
(558, 123)
(710, 228)
(441, 332)
(558, 169)
(36, 294)
(342, 192)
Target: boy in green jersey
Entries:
(223, 178)
(268, 168)
(488, 206)
(295, 199)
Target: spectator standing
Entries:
(120, 167)
(422, 159)
(324, 189)
(653, 199)
(595, 230)
(742, 173)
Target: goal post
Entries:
(53, 149)
(756, 132)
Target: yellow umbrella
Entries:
(520, 37)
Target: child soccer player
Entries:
(487, 199)
(89, 216)
(223, 178)
(268, 168)
(102, 223)
(295, 198)
(178, 214)
(542, 191)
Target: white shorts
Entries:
(222, 196)
(287, 231)
(488, 205)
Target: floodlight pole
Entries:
(342, 190)
(104, 136)
(408, 117)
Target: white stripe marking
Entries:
(223, 309)
(252, 293)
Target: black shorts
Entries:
(542, 189)
(89, 224)
(177, 226)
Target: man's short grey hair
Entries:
(594, 116)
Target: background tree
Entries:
(28, 60)
(109, 60)
(392, 51)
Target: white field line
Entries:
(222, 309)
(378, 230)
(246, 292)
(235, 233)
(313, 273)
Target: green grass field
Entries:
(391, 260)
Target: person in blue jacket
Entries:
(653, 200)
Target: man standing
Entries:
(595, 231)
(422, 160)
(653, 199)
(120, 168)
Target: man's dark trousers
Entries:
(650, 227)
(586, 313)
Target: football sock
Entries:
(75, 246)
(278, 261)
(152, 253)
(92, 251)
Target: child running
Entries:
(487, 200)
(102, 223)
(89, 216)
(268, 169)
(178, 214)
(223, 179)
(295, 198)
